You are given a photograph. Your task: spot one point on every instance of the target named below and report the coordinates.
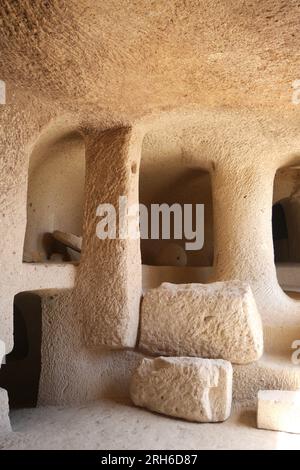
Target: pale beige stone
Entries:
(4, 410)
(279, 410)
(240, 134)
(68, 239)
(190, 388)
(218, 320)
(109, 267)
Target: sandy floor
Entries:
(111, 425)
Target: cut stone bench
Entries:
(279, 410)
(218, 320)
(184, 387)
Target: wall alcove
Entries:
(21, 372)
(286, 228)
(55, 198)
(169, 176)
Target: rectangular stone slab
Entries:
(279, 410)
(218, 320)
(190, 388)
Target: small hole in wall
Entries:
(286, 229)
(208, 318)
(55, 200)
(20, 373)
(133, 168)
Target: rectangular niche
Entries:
(55, 200)
(168, 178)
(286, 228)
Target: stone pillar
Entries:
(109, 285)
(242, 198)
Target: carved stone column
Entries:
(108, 288)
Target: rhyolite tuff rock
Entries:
(279, 410)
(184, 387)
(218, 320)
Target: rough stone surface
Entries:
(190, 388)
(218, 320)
(244, 248)
(110, 267)
(68, 239)
(83, 375)
(73, 68)
(4, 417)
(208, 53)
(269, 373)
(279, 410)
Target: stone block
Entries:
(279, 410)
(68, 239)
(218, 320)
(190, 388)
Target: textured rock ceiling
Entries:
(148, 54)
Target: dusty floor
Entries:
(112, 425)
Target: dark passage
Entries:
(21, 373)
(280, 233)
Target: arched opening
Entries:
(55, 200)
(286, 228)
(169, 177)
(20, 373)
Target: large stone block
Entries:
(190, 388)
(218, 320)
(279, 410)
